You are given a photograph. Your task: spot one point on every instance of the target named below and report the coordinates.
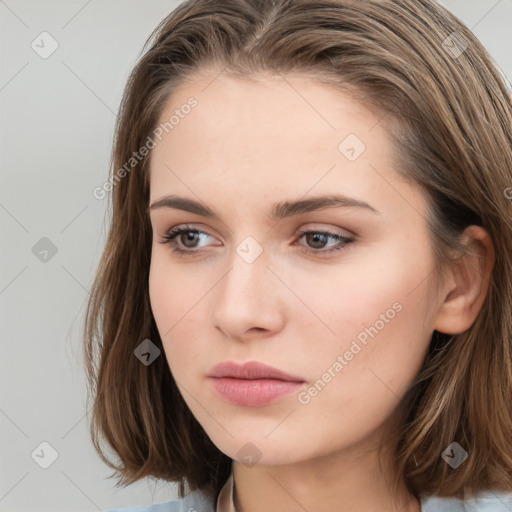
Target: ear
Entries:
(467, 283)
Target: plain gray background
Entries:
(57, 120)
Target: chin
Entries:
(256, 450)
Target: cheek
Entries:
(162, 294)
(175, 302)
(350, 296)
(172, 291)
(381, 337)
(375, 315)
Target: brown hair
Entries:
(450, 118)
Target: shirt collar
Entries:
(225, 500)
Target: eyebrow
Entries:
(279, 210)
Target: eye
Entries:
(317, 238)
(170, 238)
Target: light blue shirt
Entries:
(489, 501)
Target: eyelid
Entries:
(180, 228)
(335, 230)
(319, 227)
(341, 244)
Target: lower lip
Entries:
(255, 392)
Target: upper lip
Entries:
(250, 370)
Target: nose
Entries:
(249, 300)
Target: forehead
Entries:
(279, 135)
(271, 112)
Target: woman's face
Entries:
(351, 320)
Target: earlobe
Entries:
(468, 283)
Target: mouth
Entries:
(253, 392)
(252, 384)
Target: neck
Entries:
(337, 482)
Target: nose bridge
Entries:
(248, 270)
(245, 298)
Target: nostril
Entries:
(257, 329)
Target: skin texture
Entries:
(244, 147)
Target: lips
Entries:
(252, 384)
(251, 370)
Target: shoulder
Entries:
(195, 501)
(485, 501)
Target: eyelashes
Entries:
(172, 239)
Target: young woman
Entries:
(305, 298)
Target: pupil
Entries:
(189, 238)
(318, 237)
